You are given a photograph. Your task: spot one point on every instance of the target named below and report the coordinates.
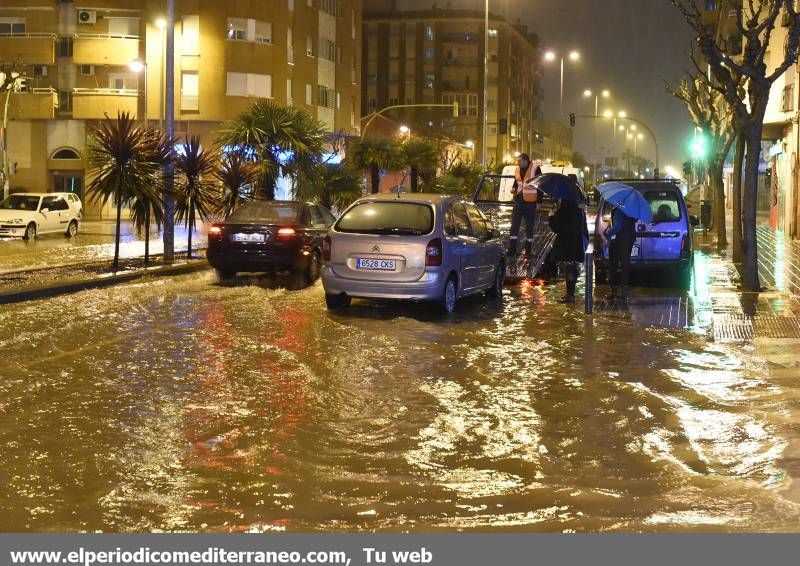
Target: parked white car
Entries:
(27, 215)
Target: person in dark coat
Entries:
(568, 222)
(621, 236)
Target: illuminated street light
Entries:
(605, 93)
(161, 23)
(404, 129)
(470, 144)
(550, 56)
(574, 56)
(623, 114)
(608, 114)
(137, 66)
(587, 93)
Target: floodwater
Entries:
(186, 404)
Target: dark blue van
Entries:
(665, 244)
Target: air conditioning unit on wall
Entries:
(87, 17)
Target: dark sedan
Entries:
(270, 235)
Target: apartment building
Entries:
(436, 56)
(88, 60)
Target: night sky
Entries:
(628, 46)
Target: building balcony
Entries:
(36, 104)
(96, 103)
(29, 48)
(101, 49)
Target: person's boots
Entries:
(569, 298)
(512, 248)
(528, 248)
(613, 295)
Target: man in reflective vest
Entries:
(525, 199)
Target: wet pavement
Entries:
(187, 404)
(95, 242)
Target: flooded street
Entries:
(186, 404)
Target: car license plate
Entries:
(376, 264)
(635, 251)
(257, 238)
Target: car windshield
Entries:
(20, 202)
(401, 218)
(265, 212)
(665, 206)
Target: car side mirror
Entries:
(694, 221)
(45, 210)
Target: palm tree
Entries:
(196, 186)
(236, 175)
(375, 154)
(335, 186)
(144, 209)
(285, 140)
(421, 156)
(125, 158)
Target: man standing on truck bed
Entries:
(525, 199)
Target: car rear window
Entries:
(387, 217)
(266, 212)
(20, 202)
(665, 206)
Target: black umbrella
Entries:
(559, 187)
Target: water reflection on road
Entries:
(188, 404)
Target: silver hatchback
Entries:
(417, 247)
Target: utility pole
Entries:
(169, 118)
(485, 124)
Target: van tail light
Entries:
(326, 249)
(215, 231)
(433, 253)
(684, 245)
(285, 233)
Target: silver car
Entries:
(412, 246)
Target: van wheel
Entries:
(336, 302)
(496, 290)
(225, 274)
(30, 232)
(449, 296)
(72, 230)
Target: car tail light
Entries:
(326, 249)
(433, 253)
(287, 233)
(684, 245)
(215, 231)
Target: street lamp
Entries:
(574, 56)
(140, 67)
(406, 131)
(588, 94)
(470, 144)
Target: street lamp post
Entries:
(485, 125)
(587, 94)
(574, 56)
(161, 24)
(139, 66)
(169, 117)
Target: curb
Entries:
(76, 285)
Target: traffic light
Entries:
(503, 126)
(572, 119)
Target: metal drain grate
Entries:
(731, 328)
(777, 327)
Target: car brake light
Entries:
(326, 249)
(215, 230)
(433, 253)
(286, 233)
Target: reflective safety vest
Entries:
(529, 194)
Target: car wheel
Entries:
(225, 274)
(30, 232)
(336, 302)
(496, 290)
(449, 296)
(313, 269)
(72, 230)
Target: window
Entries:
(237, 29)
(492, 33)
(249, 84)
(664, 205)
(309, 94)
(467, 102)
(87, 70)
(12, 26)
(65, 47)
(430, 52)
(289, 96)
(450, 228)
(327, 49)
(479, 228)
(353, 29)
(123, 81)
(388, 217)
(338, 100)
(190, 90)
(463, 227)
(325, 97)
(291, 5)
(429, 33)
(429, 80)
(241, 29)
(317, 220)
(190, 35)
(309, 46)
(352, 112)
(290, 46)
(787, 98)
(329, 6)
(65, 101)
(66, 153)
(123, 27)
(263, 32)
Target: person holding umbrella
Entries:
(525, 199)
(568, 221)
(629, 205)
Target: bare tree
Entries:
(755, 21)
(12, 79)
(714, 116)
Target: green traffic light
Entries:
(699, 147)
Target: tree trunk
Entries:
(190, 225)
(414, 180)
(718, 191)
(736, 196)
(147, 235)
(375, 176)
(6, 160)
(750, 279)
(115, 265)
